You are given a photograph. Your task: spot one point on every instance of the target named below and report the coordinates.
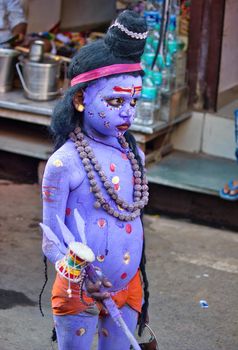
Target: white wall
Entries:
(206, 133)
(43, 14)
(78, 13)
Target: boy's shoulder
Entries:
(63, 155)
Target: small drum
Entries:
(72, 264)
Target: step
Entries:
(187, 185)
(195, 172)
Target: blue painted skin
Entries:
(76, 332)
(106, 235)
(117, 245)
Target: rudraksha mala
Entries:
(91, 165)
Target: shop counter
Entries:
(24, 127)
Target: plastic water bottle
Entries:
(155, 36)
(148, 45)
(178, 66)
(160, 62)
(151, 18)
(147, 103)
(166, 76)
(172, 35)
(165, 88)
(165, 91)
(157, 79)
(147, 60)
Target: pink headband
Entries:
(105, 71)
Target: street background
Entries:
(186, 263)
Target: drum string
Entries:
(68, 269)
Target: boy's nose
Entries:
(126, 113)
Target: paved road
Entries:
(186, 263)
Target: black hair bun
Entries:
(122, 44)
(117, 46)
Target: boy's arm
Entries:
(55, 192)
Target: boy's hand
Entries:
(97, 290)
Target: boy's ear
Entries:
(78, 99)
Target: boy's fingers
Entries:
(100, 296)
(93, 287)
(106, 282)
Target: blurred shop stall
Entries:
(184, 119)
(55, 32)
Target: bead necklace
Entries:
(91, 165)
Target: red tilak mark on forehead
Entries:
(133, 90)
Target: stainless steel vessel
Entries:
(39, 79)
(36, 53)
(8, 59)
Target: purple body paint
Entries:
(117, 245)
(66, 175)
(116, 107)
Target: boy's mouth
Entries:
(123, 127)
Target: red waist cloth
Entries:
(63, 305)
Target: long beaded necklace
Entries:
(91, 165)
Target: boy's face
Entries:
(110, 104)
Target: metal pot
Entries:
(8, 59)
(39, 79)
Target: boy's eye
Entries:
(133, 102)
(115, 102)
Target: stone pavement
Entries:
(186, 263)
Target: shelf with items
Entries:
(155, 143)
(13, 105)
(24, 128)
(24, 140)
